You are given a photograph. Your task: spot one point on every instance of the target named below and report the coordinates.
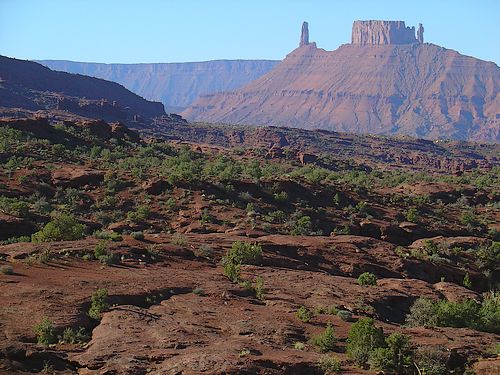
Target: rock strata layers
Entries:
(382, 32)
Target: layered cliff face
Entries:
(176, 85)
(416, 89)
(31, 86)
(382, 32)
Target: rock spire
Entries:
(304, 36)
(420, 33)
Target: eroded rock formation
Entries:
(382, 32)
(304, 36)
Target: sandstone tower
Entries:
(382, 32)
(304, 36)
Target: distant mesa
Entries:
(386, 81)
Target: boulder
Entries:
(76, 177)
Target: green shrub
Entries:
(412, 215)
(260, 291)
(98, 304)
(395, 357)
(170, 204)
(325, 341)
(14, 207)
(302, 226)
(330, 365)
(483, 316)
(299, 345)
(281, 197)
(245, 252)
(367, 278)
(139, 236)
(110, 236)
(62, 228)
(231, 269)
(6, 269)
(77, 336)
(45, 332)
(362, 339)
(304, 314)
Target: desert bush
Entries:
(14, 207)
(6, 269)
(431, 360)
(204, 251)
(207, 217)
(98, 304)
(299, 345)
(245, 252)
(281, 197)
(109, 236)
(77, 336)
(231, 269)
(259, 289)
(277, 217)
(395, 357)
(45, 332)
(483, 316)
(304, 314)
(367, 278)
(300, 225)
(139, 236)
(140, 214)
(240, 253)
(330, 365)
(62, 228)
(179, 239)
(345, 315)
(325, 341)
(412, 215)
(362, 339)
(170, 204)
(423, 313)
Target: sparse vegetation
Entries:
(98, 304)
(304, 314)
(367, 278)
(45, 332)
(326, 340)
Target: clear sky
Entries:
(127, 31)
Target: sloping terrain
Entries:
(31, 86)
(421, 90)
(176, 85)
(131, 256)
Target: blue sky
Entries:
(126, 31)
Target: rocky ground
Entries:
(158, 219)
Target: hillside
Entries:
(176, 85)
(374, 85)
(123, 255)
(30, 86)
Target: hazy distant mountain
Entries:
(31, 86)
(385, 82)
(174, 84)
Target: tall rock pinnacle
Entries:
(304, 36)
